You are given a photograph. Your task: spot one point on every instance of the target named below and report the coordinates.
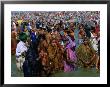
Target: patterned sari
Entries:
(69, 64)
(84, 55)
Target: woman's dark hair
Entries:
(95, 22)
(93, 28)
(42, 36)
(17, 24)
(81, 25)
(66, 29)
(68, 32)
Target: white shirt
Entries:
(21, 47)
(94, 42)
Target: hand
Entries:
(17, 60)
(23, 54)
(26, 44)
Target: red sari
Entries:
(43, 56)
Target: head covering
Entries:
(23, 36)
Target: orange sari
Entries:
(13, 42)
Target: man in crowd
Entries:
(20, 50)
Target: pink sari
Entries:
(72, 57)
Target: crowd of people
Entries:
(49, 42)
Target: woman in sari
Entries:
(51, 55)
(86, 54)
(69, 64)
(42, 48)
(13, 41)
(55, 55)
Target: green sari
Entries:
(84, 54)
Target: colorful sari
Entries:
(69, 64)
